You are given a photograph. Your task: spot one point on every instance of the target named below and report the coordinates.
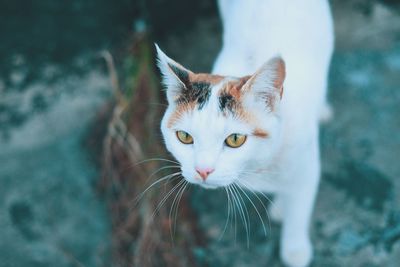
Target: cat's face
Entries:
(221, 129)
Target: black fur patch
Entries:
(201, 92)
(198, 92)
(227, 103)
(195, 92)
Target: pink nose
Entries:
(204, 172)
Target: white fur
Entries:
(254, 31)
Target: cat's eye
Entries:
(184, 137)
(235, 140)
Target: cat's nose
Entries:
(204, 172)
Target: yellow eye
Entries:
(184, 137)
(235, 140)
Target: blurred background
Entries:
(54, 85)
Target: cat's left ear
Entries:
(175, 77)
(267, 83)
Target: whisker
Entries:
(254, 206)
(227, 218)
(171, 210)
(134, 164)
(162, 202)
(139, 197)
(155, 159)
(245, 184)
(163, 168)
(262, 203)
(250, 173)
(240, 209)
(233, 206)
(245, 212)
(177, 205)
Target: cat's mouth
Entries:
(208, 185)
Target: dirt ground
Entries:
(50, 214)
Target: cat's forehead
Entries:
(198, 90)
(208, 94)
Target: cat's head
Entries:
(221, 128)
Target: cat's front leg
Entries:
(276, 208)
(296, 248)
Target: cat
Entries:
(254, 121)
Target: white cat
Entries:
(255, 124)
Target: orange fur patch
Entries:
(260, 133)
(280, 77)
(205, 78)
(235, 90)
(179, 111)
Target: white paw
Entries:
(275, 212)
(298, 254)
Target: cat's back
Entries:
(256, 30)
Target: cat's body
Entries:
(300, 31)
(280, 152)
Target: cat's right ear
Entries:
(175, 77)
(267, 82)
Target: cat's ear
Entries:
(267, 82)
(175, 77)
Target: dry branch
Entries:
(139, 238)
